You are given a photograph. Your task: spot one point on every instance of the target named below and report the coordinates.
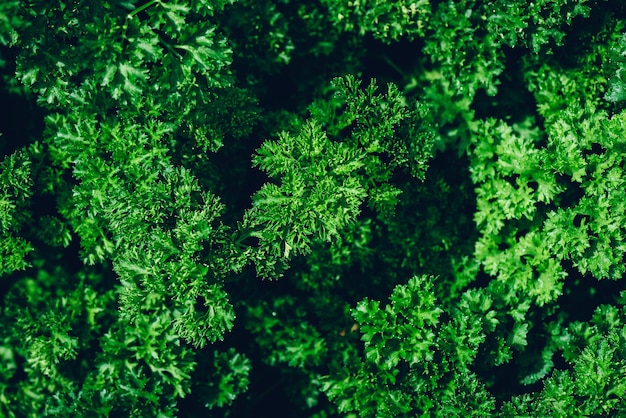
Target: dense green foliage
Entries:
(319, 208)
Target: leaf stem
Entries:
(141, 8)
(393, 65)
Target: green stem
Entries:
(394, 65)
(133, 14)
(141, 8)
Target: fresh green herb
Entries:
(333, 208)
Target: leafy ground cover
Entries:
(321, 208)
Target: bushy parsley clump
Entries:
(333, 208)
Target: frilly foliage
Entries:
(439, 187)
